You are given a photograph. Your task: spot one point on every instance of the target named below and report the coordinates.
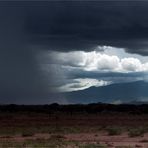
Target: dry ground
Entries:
(73, 131)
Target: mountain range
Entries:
(122, 92)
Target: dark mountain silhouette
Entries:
(136, 102)
(125, 92)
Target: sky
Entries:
(73, 51)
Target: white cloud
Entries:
(132, 64)
(104, 60)
(80, 84)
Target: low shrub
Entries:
(114, 131)
(27, 134)
(57, 137)
(144, 141)
(136, 132)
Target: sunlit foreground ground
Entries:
(115, 130)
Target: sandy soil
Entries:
(14, 121)
(102, 138)
(111, 141)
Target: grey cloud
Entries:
(78, 25)
(20, 76)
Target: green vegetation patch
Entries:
(55, 141)
(114, 131)
(136, 132)
(124, 147)
(93, 146)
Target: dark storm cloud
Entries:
(19, 72)
(109, 76)
(79, 25)
(114, 77)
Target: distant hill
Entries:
(137, 102)
(125, 92)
